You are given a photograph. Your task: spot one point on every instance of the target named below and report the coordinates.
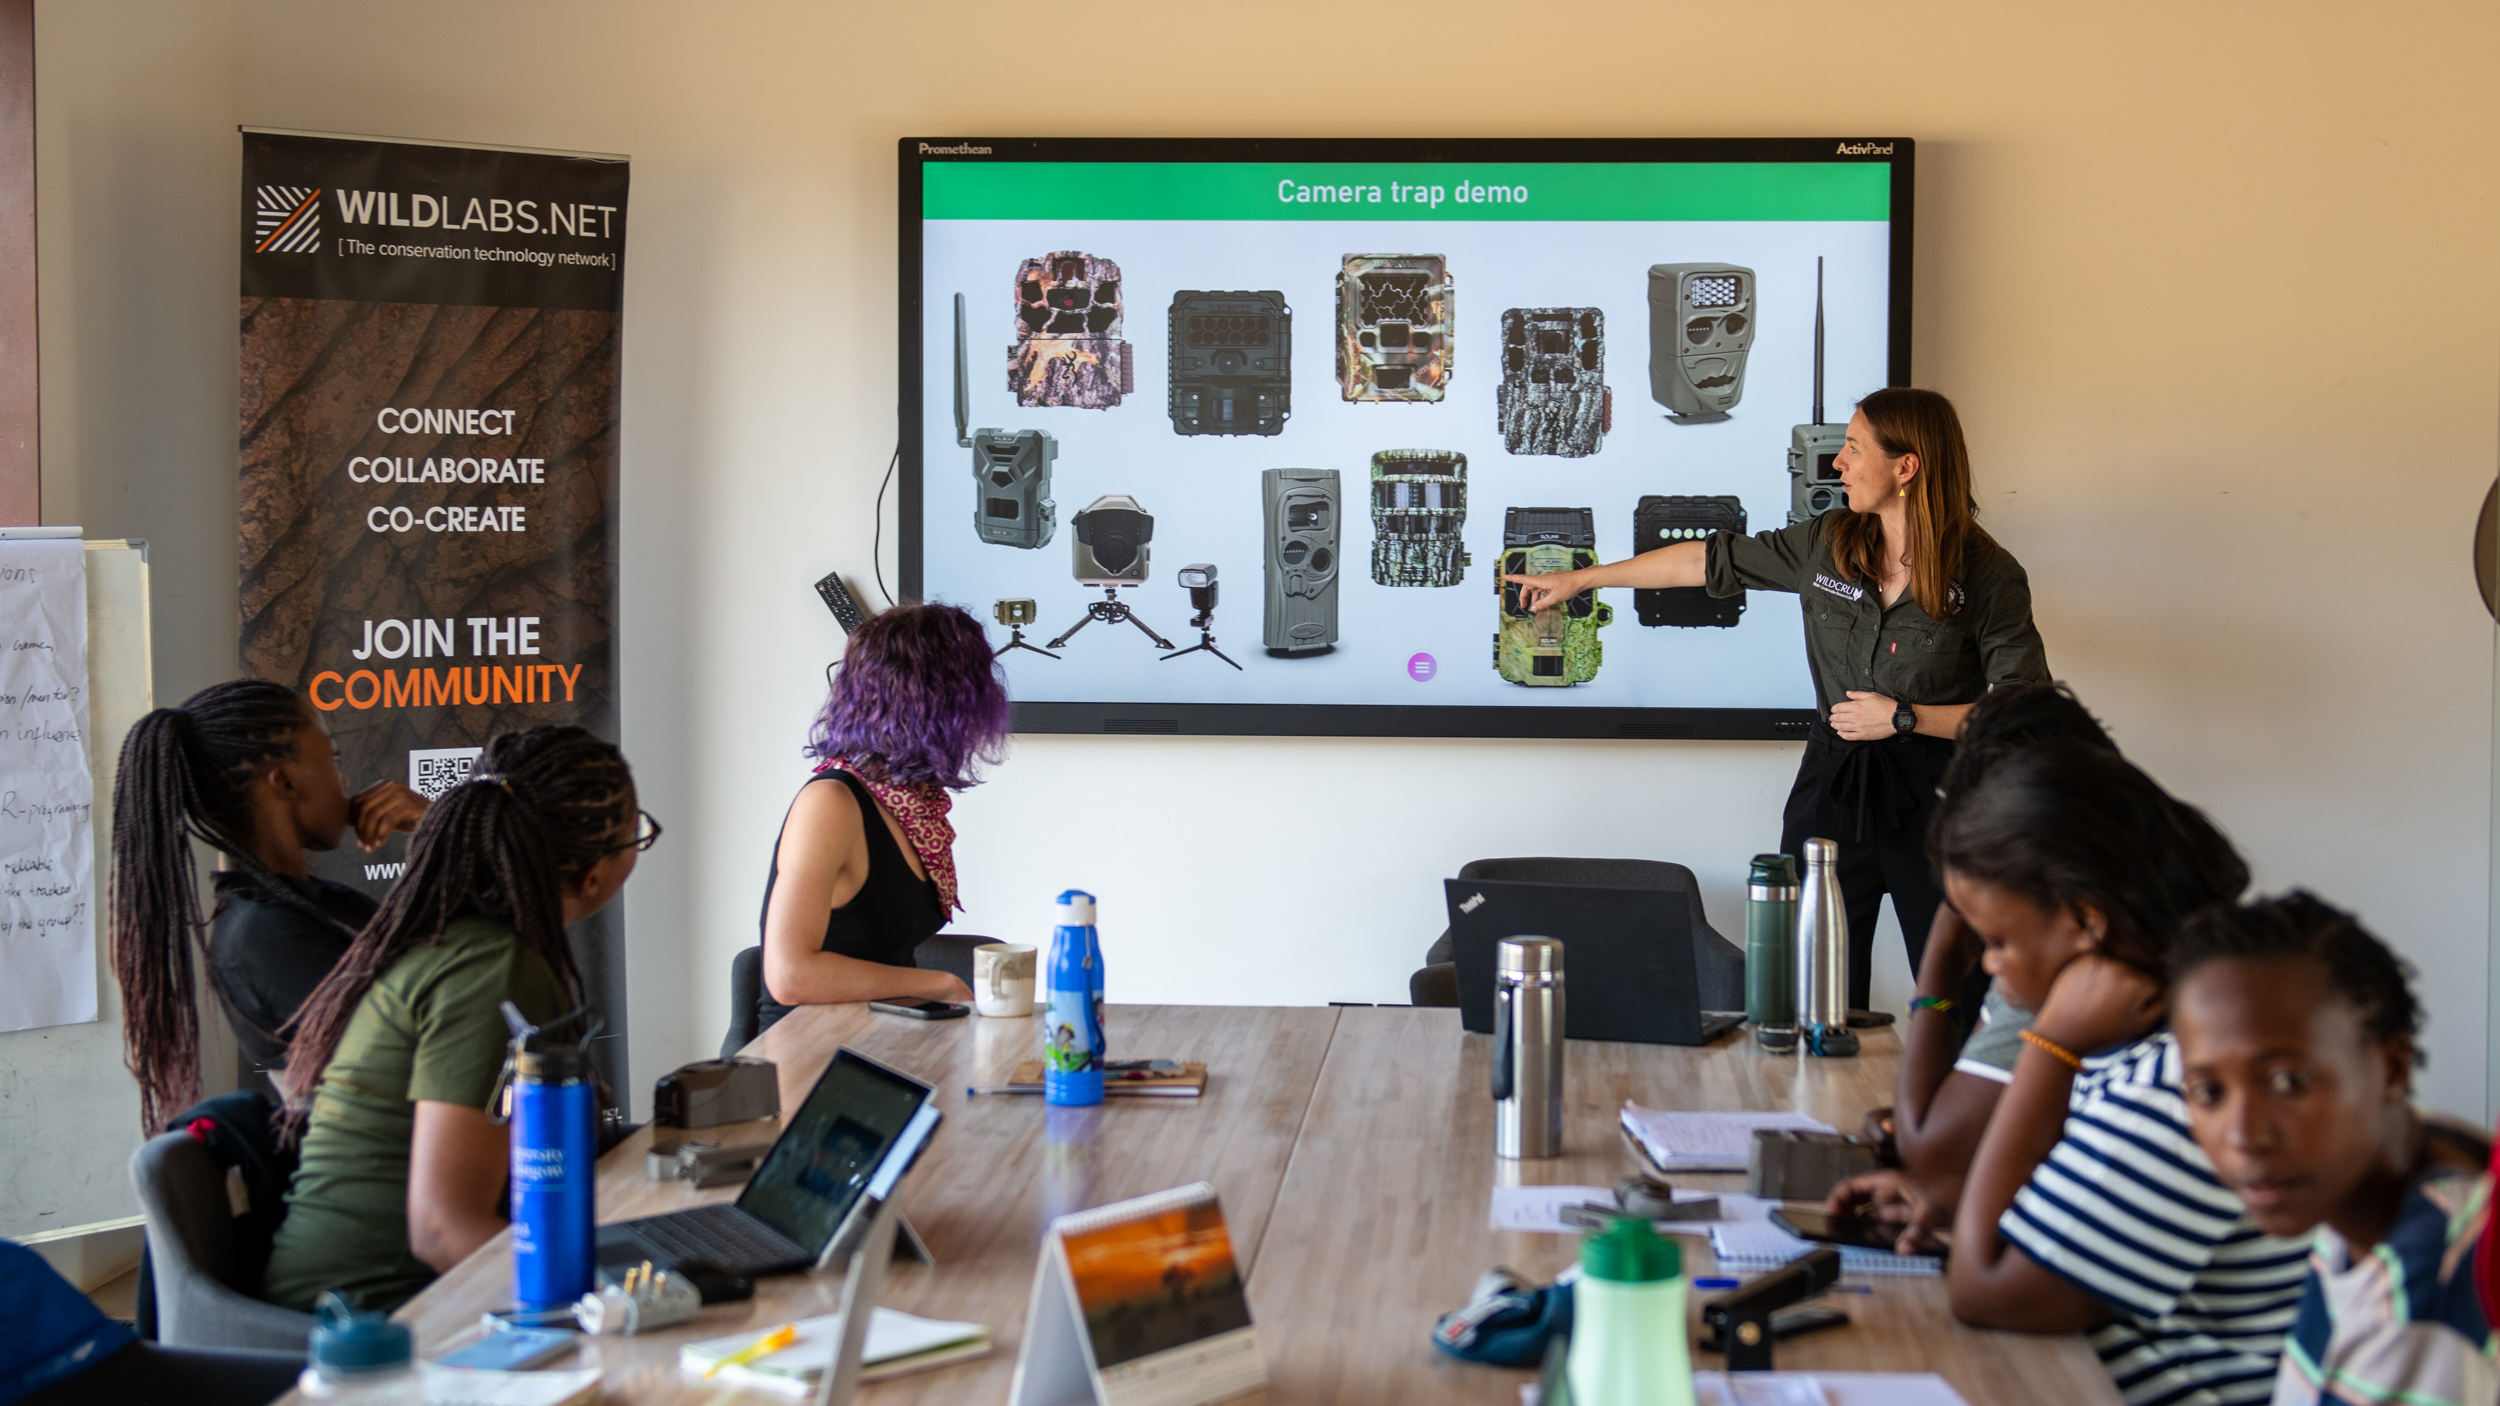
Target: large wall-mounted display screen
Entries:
(1304, 402)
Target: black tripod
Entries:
(1015, 640)
(1108, 608)
(1206, 641)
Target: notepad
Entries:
(475, 1386)
(898, 1343)
(1540, 1208)
(1762, 1245)
(1188, 1081)
(1705, 1142)
(1810, 1389)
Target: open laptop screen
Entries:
(831, 1149)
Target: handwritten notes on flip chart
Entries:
(47, 791)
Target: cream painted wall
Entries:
(2213, 285)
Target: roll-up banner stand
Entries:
(431, 337)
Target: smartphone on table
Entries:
(512, 1350)
(1856, 1232)
(923, 1010)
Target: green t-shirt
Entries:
(430, 1028)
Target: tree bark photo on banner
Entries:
(429, 420)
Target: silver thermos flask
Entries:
(1823, 956)
(1528, 1047)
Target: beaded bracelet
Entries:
(1930, 1003)
(2053, 1049)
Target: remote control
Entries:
(846, 611)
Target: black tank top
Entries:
(886, 921)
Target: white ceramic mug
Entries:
(1002, 979)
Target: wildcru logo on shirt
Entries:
(1834, 586)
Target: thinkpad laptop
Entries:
(1628, 969)
(858, 1131)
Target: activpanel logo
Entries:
(287, 220)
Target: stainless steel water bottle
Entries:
(1528, 1047)
(1823, 955)
(1771, 951)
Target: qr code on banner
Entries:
(436, 770)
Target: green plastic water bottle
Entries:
(1627, 1321)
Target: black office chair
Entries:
(1719, 965)
(946, 952)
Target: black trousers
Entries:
(1874, 800)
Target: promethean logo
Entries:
(286, 220)
(959, 149)
(1865, 149)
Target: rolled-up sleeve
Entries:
(1778, 560)
(2010, 650)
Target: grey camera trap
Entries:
(1068, 350)
(1419, 506)
(1113, 547)
(1701, 320)
(1814, 486)
(1558, 645)
(1396, 319)
(1232, 363)
(1011, 503)
(1302, 509)
(1553, 397)
(1662, 520)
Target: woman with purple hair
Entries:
(864, 871)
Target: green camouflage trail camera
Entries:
(1396, 316)
(1556, 646)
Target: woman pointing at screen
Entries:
(1912, 611)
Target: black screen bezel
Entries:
(1524, 719)
(792, 1121)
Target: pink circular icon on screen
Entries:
(1421, 667)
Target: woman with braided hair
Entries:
(248, 769)
(864, 869)
(396, 1054)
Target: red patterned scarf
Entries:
(921, 811)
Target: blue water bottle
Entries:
(554, 1106)
(1072, 1030)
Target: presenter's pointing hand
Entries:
(1553, 588)
(381, 808)
(1865, 717)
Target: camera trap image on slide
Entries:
(1068, 349)
(1554, 398)
(1419, 511)
(1342, 517)
(1394, 325)
(1558, 645)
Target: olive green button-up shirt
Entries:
(1854, 642)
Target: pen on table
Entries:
(973, 1092)
(766, 1345)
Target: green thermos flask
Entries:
(1771, 950)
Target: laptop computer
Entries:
(1628, 969)
(858, 1131)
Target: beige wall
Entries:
(2213, 284)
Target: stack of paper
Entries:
(1705, 1142)
(1810, 1389)
(1540, 1208)
(897, 1343)
(1766, 1246)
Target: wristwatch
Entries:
(1904, 720)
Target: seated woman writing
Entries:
(248, 768)
(2089, 1205)
(864, 869)
(388, 1080)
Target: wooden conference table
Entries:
(1353, 1150)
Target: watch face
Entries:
(1903, 719)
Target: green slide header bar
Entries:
(1369, 190)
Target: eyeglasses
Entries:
(646, 834)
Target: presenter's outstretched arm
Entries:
(823, 864)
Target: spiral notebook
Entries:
(1759, 1245)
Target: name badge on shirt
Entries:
(1838, 588)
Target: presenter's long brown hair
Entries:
(1945, 535)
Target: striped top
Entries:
(2403, 1324)
(2128, 1209)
